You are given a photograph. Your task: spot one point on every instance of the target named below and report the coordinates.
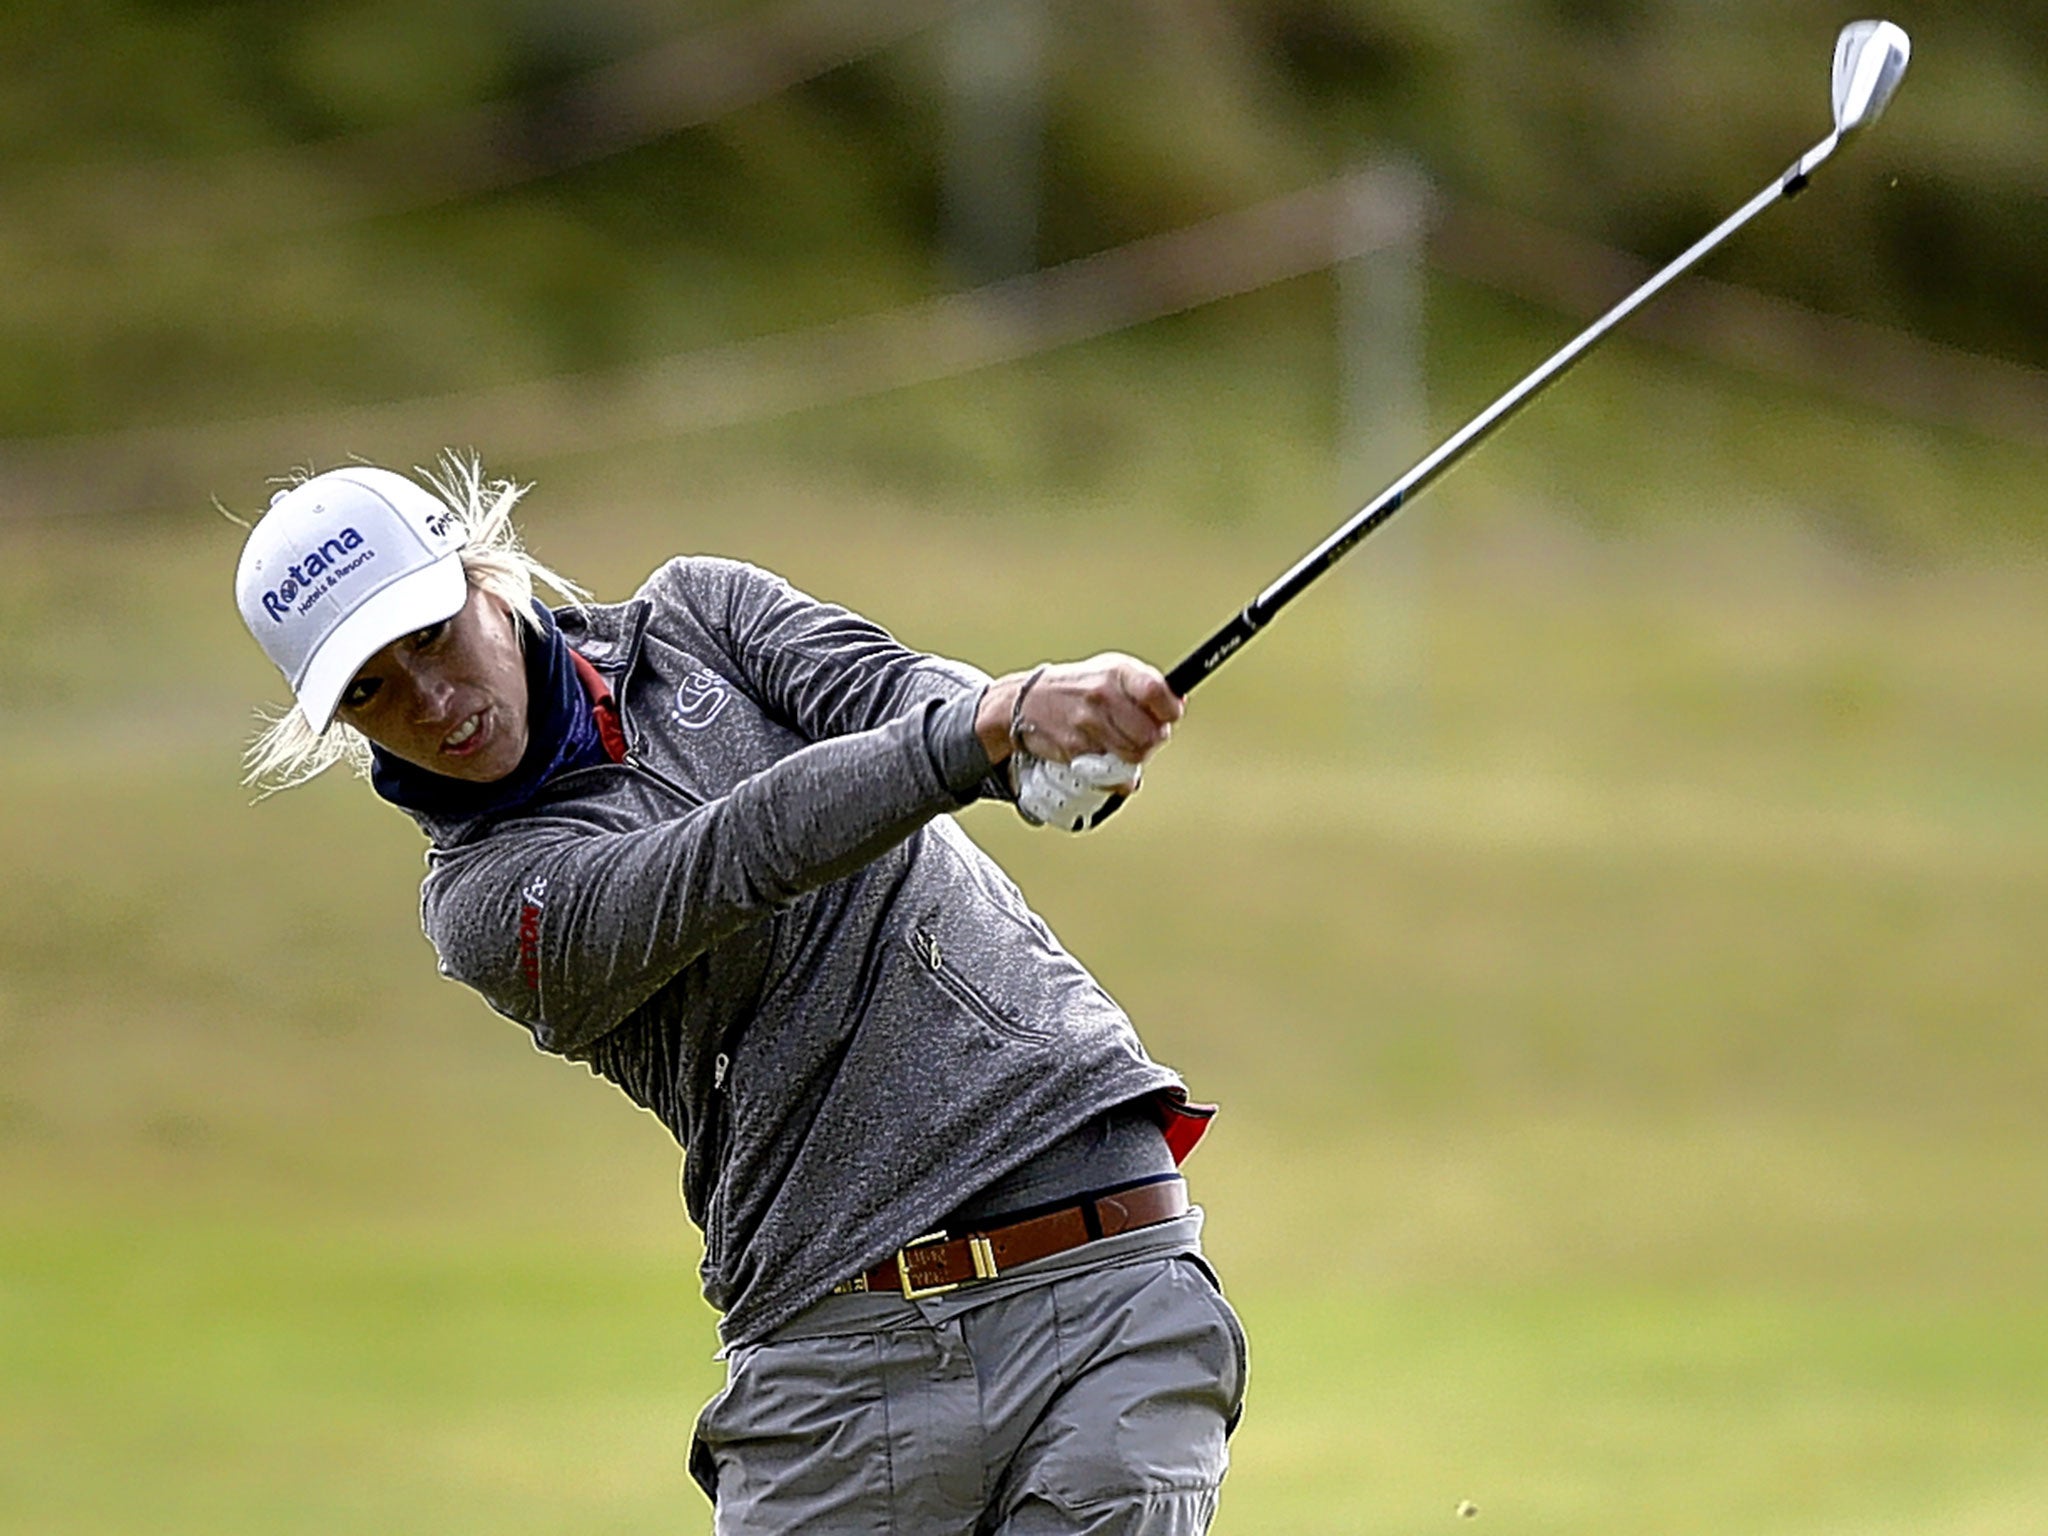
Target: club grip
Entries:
(1212, 653)
(1184, 676)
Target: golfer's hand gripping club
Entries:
(1071, 796)
(1077, 734)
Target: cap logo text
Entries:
(330, 561)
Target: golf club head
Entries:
(1870, 60)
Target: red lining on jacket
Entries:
(609, 727)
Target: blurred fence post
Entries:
(994, 128)
(1383, 418)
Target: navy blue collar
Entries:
(562, 734)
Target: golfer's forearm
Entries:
(959, 750)
(822, 812)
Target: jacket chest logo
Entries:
(700, 699)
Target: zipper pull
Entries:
(927, 946)
(719, 1068)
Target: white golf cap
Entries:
(341, 566)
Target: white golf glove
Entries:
(1068, 795)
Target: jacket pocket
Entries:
(932, 961)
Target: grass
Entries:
(190, 1374)
(206, 1374)
(1681, 1412)
(1614, 935)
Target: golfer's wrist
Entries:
(996, 719)
(992, 719)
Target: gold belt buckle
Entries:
(978, 1249)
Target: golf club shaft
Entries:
(1228, 640)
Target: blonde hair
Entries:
(287, 751)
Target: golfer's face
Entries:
(450, 698)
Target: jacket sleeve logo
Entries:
(531, 900)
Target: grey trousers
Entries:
(1093, 1391)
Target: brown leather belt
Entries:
(940, 1262)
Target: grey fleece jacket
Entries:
(765, 928)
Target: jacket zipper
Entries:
(719, 1150)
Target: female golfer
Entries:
(701, 842)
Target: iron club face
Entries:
(1870, 61)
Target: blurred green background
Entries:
(1610, 908)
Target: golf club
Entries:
(1870, 60)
